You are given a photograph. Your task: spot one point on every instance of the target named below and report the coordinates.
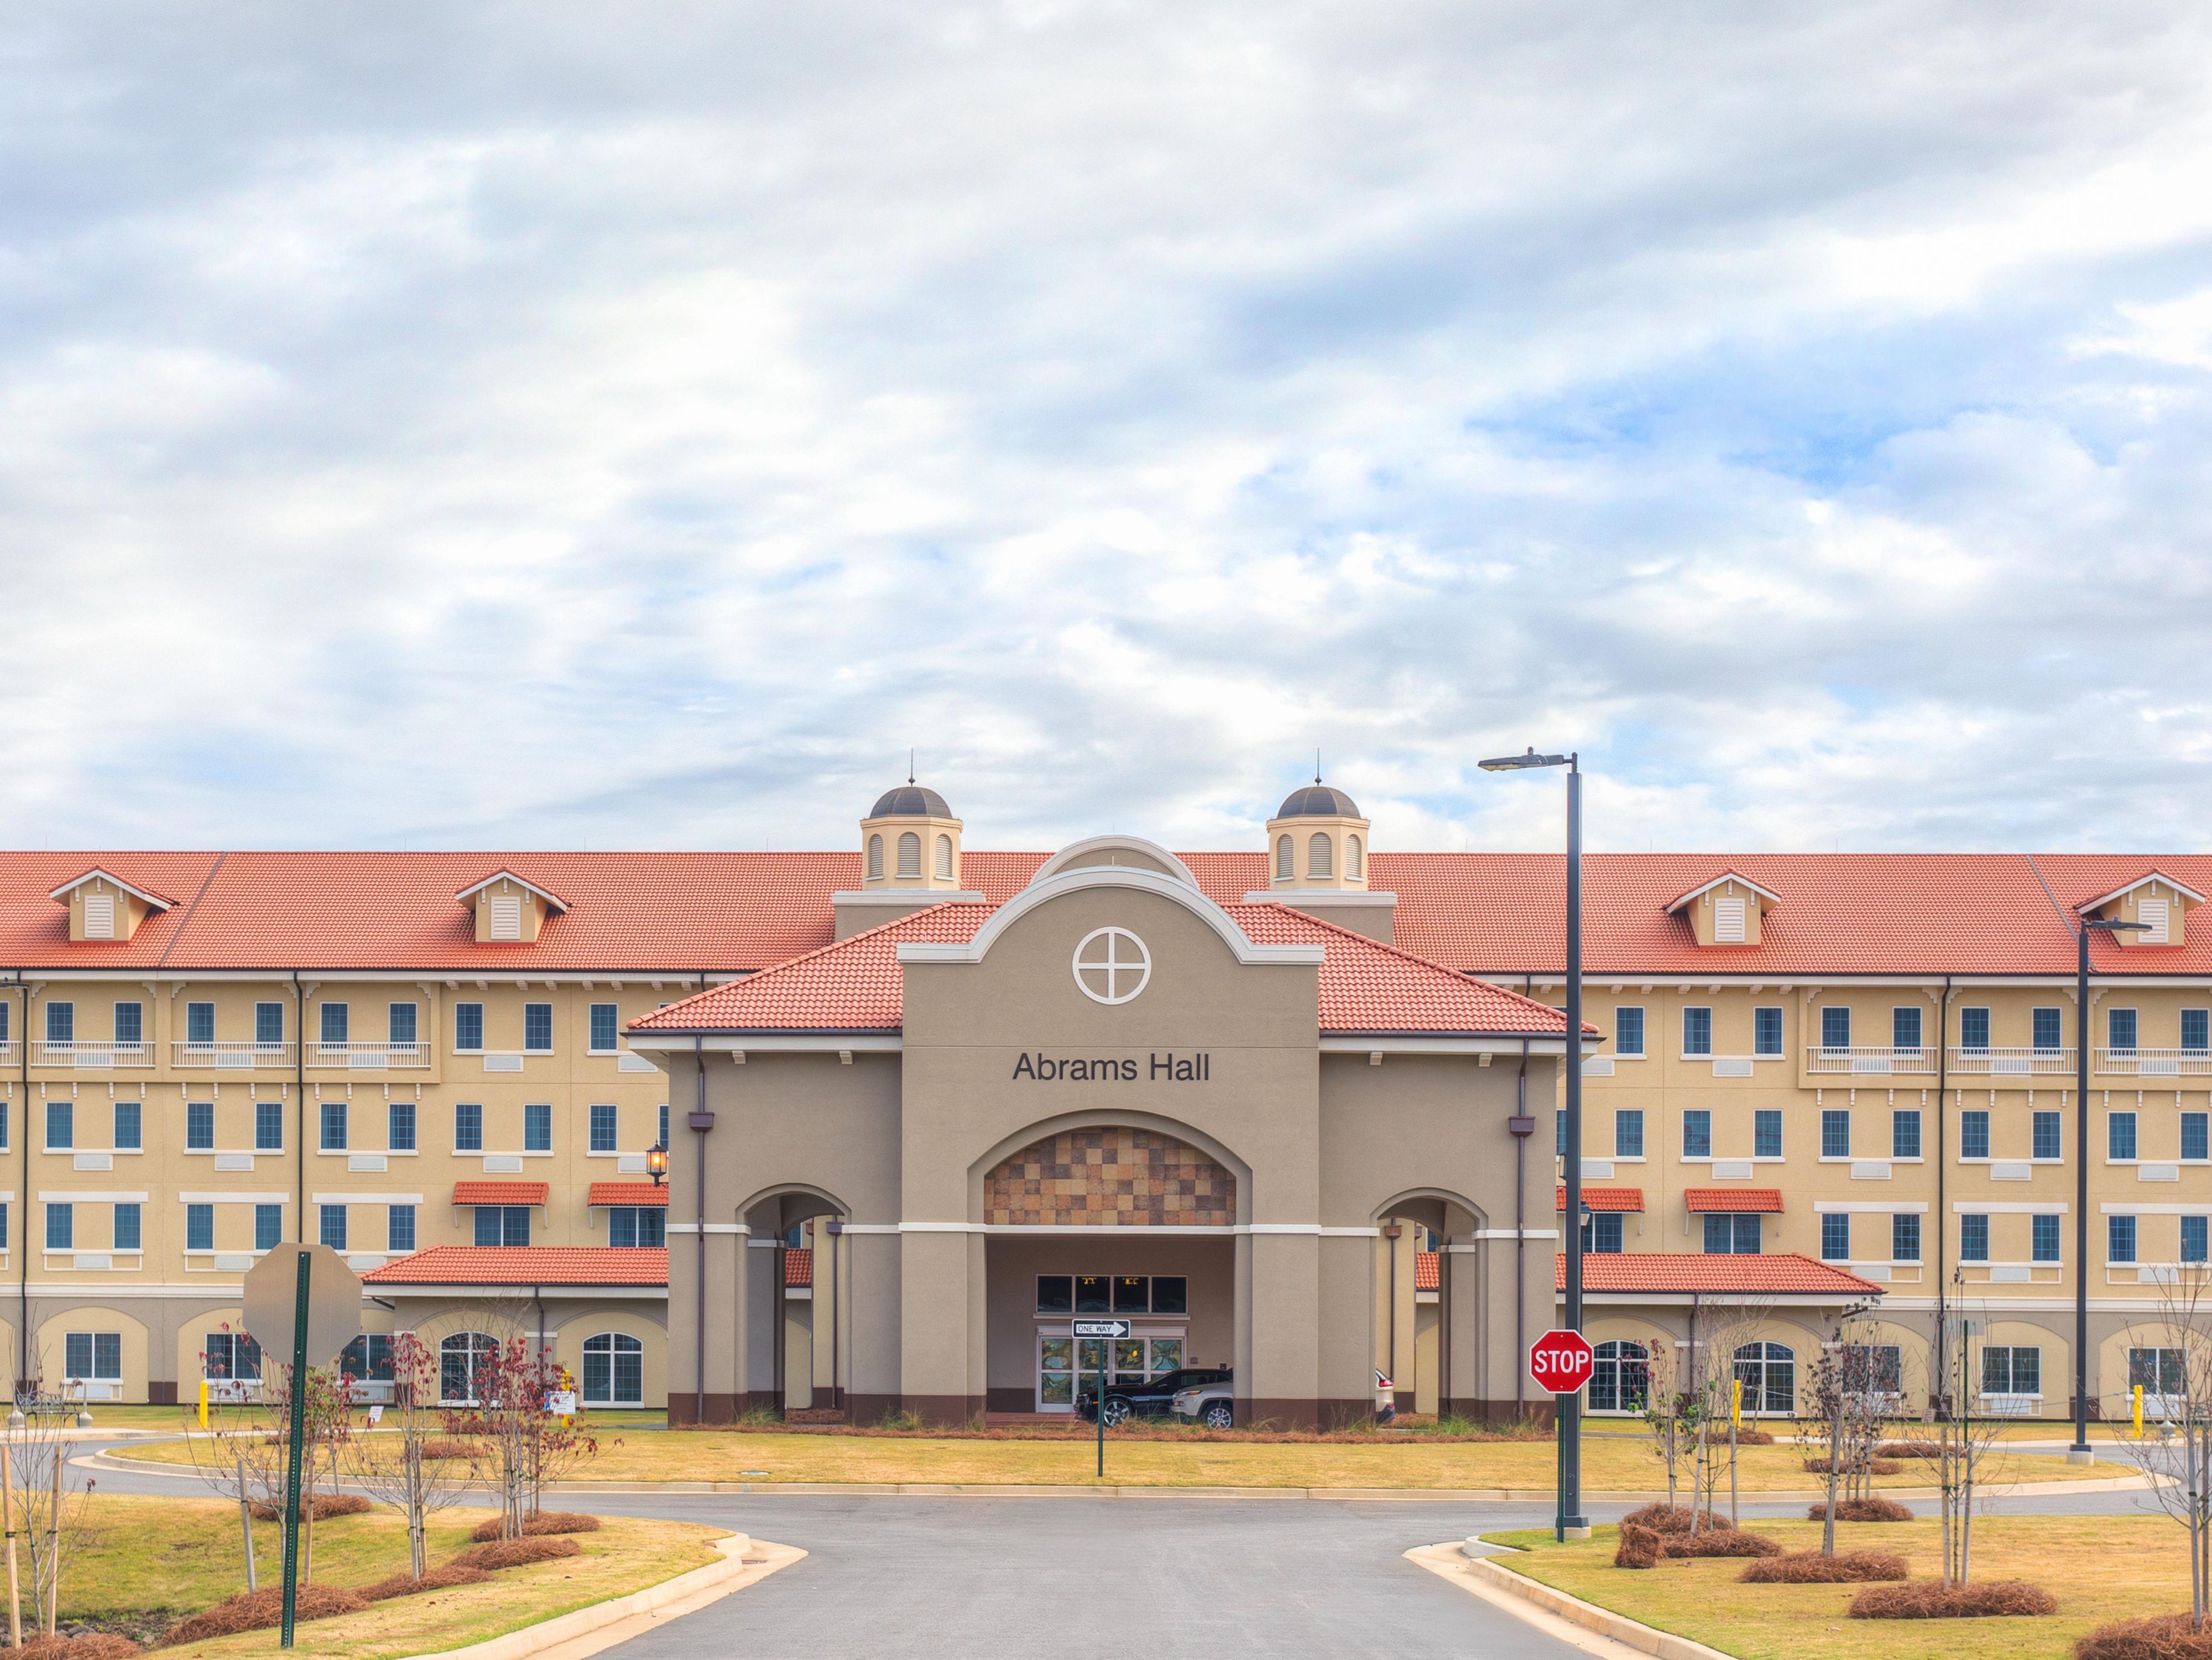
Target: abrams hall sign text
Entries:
(1156, 1067)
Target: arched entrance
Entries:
(1116, 1220)
(1426, 1329)
(795, 1268)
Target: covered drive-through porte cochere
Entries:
(1275, 1146)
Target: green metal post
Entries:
(1104, 1344)
(299, 1428)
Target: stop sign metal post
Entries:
(1561, 1362)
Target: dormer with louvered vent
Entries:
(1729, 910)
(2157, 901)
(510, 911)
(102, 906)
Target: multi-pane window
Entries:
(334, 1023)
(199, 1023)
(537, 1128)
(1973, 1030)
(268, 1023)
(468, 1126)
(538, 1026)
(1766, 1133)
(401, 1026)
(269, 1126)
(130, 1024)
(2158, 1371)
(2012, 1369)
(1835, 1028)
(1835, 1133)
(1558, 1130)
(368, 1359)
(1905, 1028)
(1905, 1237)
(604, 1123)
(502, 1224)
(637, 1225)
(1602, 1232)
(2196, 1029)
(332, 1227)
(400, 1227)
(199, 1227)
(130, 1124)
(468, 1027)
(1974, 1133)
(1697, 1032)
(129, 1231)
(334, 1126)
(61, 1125)
(61, 1227)
(1904, 1133)
(95, 1355)
(1628, 1032)
(1973, 1239)
(268, 1226)
(1836, 1237)
(199, 1126)
(2119, 1135)
(2050, 1028)
(606, 1023)
(2195, 1235)
(1627, 1131)
(2196, 1135)
(2049, 1133)
(2120, 1238)
(614, 1369)
(1767, 1032)
(2120, 1029)
(61, 1023)
(1697, 1133)
(2043, 1235)
(400, 1127)
(664, 1129)
(1737, 1235)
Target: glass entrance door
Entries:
(1066, 1364)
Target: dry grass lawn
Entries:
(149, 1561)
(2077, 1559)
(1609, 1463)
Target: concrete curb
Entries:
(746, 1561)
(1515, 1593)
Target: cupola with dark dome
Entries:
(910, 840)
(1315, 801)
(910, 800)
(1317, 841)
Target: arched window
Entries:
(910, 853)
(944, 858)
(1317, 857)
(1622, 1380)
(1352, 857)
(461, 1357)
(614, 1371)
(1768, 1372)
(1287, 864)
(876, 857)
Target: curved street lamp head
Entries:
(1518, 762)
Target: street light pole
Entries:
(1570, 1521)
(2078, 1453)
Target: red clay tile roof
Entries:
(856, 985)
(626, 1193)
(499, 1193)
(1744, 1202)
(1597, 1198)
(799, 1266)
(1779, 1275)
(1428, 1270)
(526, 1265)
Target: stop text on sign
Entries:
(1561, 1361)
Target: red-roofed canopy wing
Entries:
(1754, 1202)
(500, 1193)
(1601, 1198)
(627, 1193)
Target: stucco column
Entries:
(1285, 1317)
(762, 1307)
(726, 1322)
(1344, 1334)
(869, 1344)
(939, 1332)
(1465, 1264)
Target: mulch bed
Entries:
(1860, 1510)
(1665, 1518)
(327, 1504)
(514, 1553)
(1931, 1599)
(541, 1522)
(1644, 1548)
(1908, 1449)
(1877, 1467)
(260, 1609)
(439, 1578)
(2160, 1636)
(1809, 1567)
(92, 1645)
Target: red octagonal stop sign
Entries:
(1560, 1361)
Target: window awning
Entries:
(1599, 1197)
(627, 1193)
(1758, 1201)
(499, 1193)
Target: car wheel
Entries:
(1117, 1411)
(1218, 1415)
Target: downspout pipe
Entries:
(1942, 1115)
(702, 1122)
(300, 1082)
(1522, 1126)
(23, 1282)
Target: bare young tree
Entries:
(244, 1454)
(51, 1508)
(530, 1443)
(1722, 1329)
(1663, 1413)
(2170, 1361)
(1952, 1438)
(395, 1463)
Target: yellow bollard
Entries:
(203, 1403)
(2138, 1394)
(1735, 1403)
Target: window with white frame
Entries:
(1835, 1133)
(461, 1357)
(1835, 1028)
(614, 1370)
(1767, 1032)
(1768, 1372)
(606, 1027)
(230, 1357)
(1621, 1381)
(1628, 1032)
(1697, 1133)
(2012, 1369)
(93, 1356)
(1766, 1133)
(633, 1226)
(1697, 1032)
(1628, 1132)
(605, 1118)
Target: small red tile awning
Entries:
(1743, 1201)
(525, 1265)
(1780, 1275)
(627, 1193)
(499, 1193)
(1428, 1270)
(1601, 1198)
(799, 1267)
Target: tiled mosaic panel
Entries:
(1111, 1179)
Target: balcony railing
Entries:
(368, 1056)
(1867, 1059)
(2012, 1062)
(89, 1052)
(2156, 1063)
(228, 1056)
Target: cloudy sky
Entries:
(541, 425)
